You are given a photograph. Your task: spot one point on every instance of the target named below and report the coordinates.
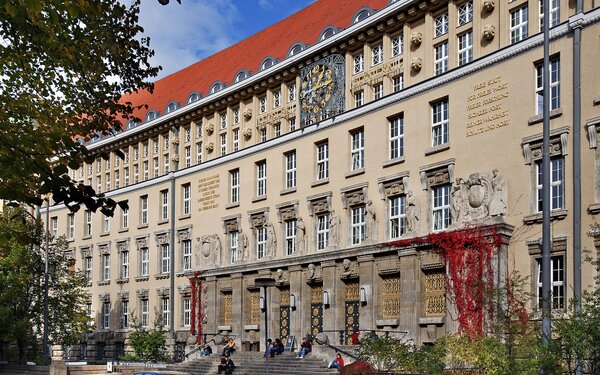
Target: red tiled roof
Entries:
(304, 26)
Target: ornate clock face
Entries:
(316, 88)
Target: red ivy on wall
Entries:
(197, 313)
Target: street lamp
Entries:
(265, 282)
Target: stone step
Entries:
(24, 370)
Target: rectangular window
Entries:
(136, 174)
(117, 179)
(292, 124)
(125, 218)
(155, 167)
(359, 63)
(124, 314)
(292, 93)
(99, 164)
(165, 142)
(146, 148)
(107, 181)
(126, 174)
(518, 24)
(465, 48)
(322, 161)
(164, 205)
(186, 246)
(105, 315)
(233, 246)
(187, 312)
(377, 91)
(262, 104)
(440, 59)
(54, 227)
(234, 186)
(144, 262)
(359, 98)
(236, 115)
(105, 224)
(397, 216)
(398, 45)
(88, 269)
(358, 225)
(99, 184)
(144, 210)
(439, 123)
(187, 135)
(105, 267)
(263, 135)
(144, 312)
(136, 153)
(164, 258)
(155, 145)
(146, 170)
(290, 236)
(322, 231)
(71, 226)
(556, 184)
(186, 192)
(188, 156)
(554, 86)
(124, 265)
(440, 203)
(557, 281)
(276, 99)
(357, 149)
(236, 139)
(199, 130)
(199, 152)
(441, 24)
(290, 170)
(261, 178)
(88, 223)
(261, 242)
(398, 83)
(166, 163)
(277, 130)
(465, 13)
(165, 309)
(223, 144)
(224, 120)
(377, 54)
(554, 13)
(396, 137)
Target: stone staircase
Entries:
(252, 363)
(24, 370)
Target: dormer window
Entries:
(216, 87)
(152, 115)
(267, 63)
(362, 14)
(194, 97)
(171, 107)
(131, 124)
(296, 49)
(328, 32)
(242, 75)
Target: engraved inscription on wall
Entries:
(487, 107)
(208, 187)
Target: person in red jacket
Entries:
(337, 363)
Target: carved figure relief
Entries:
(416, 64)
(208, 251)
(348, 269)
(489, 31)
(499, 195)
(280, 277)
(416, 38)
(458, 208)
(413, 214)
(334, 229)
(271, 239)
(243, 245)
(313, 273)
(300, 235)
(371, 221)
(479, 197)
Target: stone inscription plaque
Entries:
(208, 187)
(487, 109)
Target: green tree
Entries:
(148, 345)
(64, 66)
(22, 263)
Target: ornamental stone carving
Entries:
(371, 221)
(281, 277)
(208, 251)
(334, 229)
(313, 273)
(413, 214)
(488, 5)
(248, 114)
(489, 32)
(271, 239)
(247, 133)
(416, 38)
(141, 243)
(210, 128)
(243, 245)
(348, 269)
(416, 64)
(300, 235)
(122, 246)
(479, 197)
(210, 146)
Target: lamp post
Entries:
(265, 282)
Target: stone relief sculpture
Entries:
(413, 214)
(271, 239)
(371, 221)
(209, 249)
(300, 235)
(280, 277)
(243, 245)
(499, 195)
(334, 229)
(478, 198)
(457, 208)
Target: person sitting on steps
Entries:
(305, 348)
(337, 362)
(279, 347)
(270, 349)
(206, 350)
(229, 348)
(227, 365)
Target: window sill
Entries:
(537, 217)
(436, 149)
(320, 182)
(142, 226)
(104, 283)
(70, 240)
(251, 327)
(161, 276)
(224, 328)
(141, 278)
(123, 230)
(287, 191)
(437, 320)
(597, 100)
(389, 163)
(88, 237)
(594, 208)
(122, 281)
(104, 234)
(163, 221)
(355, 173)
(229, 206)
(387, 322)
(182, 273)
(260, 198)
(540, 118)
(183, 217)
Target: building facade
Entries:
(315, 151)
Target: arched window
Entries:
(328, 32)
(241, 75)
(193, 97)
(296, 49)
(267, 63)
(151, 115)
(362, 14)
(131, 124)
(216, 87)
(171, 107)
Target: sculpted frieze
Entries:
(479, 197)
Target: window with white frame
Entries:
(136, 152)
(277, 129)
(88, 223)
(124, 314)
(88, 270)
(146, 148)
(377, 54)
(292, 93)
(465, 13)
(199, 130)
(223, 120)
(398, 45)
(439, 123)
(124, 218)
(357, 149)
(124, 265)
(441, 24)
(322, 160)
(187, 312)
(440, 58)
(144, 261)
(290, 236)
(234, 186)
(71, 226)
(136, 174)
(164, 205)
(187, 135)
(165, 258)
(166, 143)
(261, 178)
(105, 315)
(107, 181)
(554, 86)
(165, 309)
(292, 123)
(396, 137)
(556, 184)
(188, 156)
(261, 242)
(359, 98)
(117, 179)
(397, 216)
(398, 82)
(276, 98)
(199, 152)
(359, 63)
(144, 210)
(357, 224)
(105, 267)
(557, 282)
(554, 13)
(105, 224)
(322, 231)
(233, 246)
(144, 312)
(236, 139)
(263, 134)
(99, 184)
(155, 145)
(262, 104)
(54, 227)
(440, 207)
(99, 164)
(465, 48)
(186, 192)
(146, 170)
(236, 115)
(166, 163)
(518, 24)
(290, 170)
(377, 91)
(186, 256)
(155, 167)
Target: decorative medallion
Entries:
(322, 89)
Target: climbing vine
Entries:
(197, 312)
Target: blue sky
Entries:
(183, 34)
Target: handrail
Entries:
(204, 342)
(337, 349)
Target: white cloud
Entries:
(183, 34)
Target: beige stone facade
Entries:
(433, 133)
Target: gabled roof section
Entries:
(304, 26)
